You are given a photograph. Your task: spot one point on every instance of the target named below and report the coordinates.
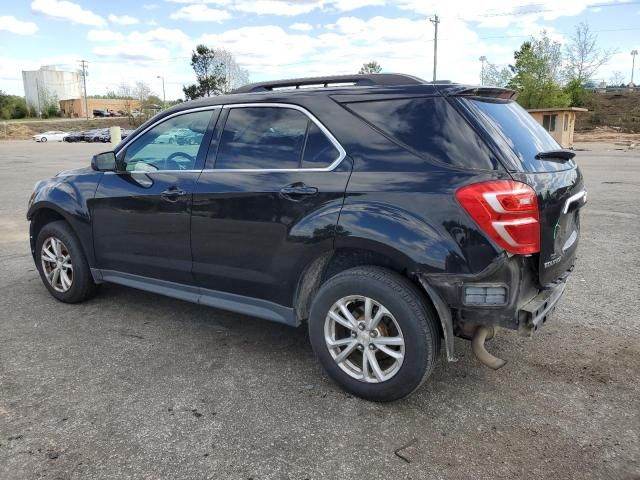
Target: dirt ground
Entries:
(134, 385)
(606, 135)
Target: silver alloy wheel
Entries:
(364, 339)
(56, 264)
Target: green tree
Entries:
(370, 67)
(536, 74)
(577, 92)
(12, 106)
(210, 79)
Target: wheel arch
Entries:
(42, 214)
(331, 263)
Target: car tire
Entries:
(410, 320)
(43, 139)
(172, 141)
(82, 286)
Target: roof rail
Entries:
(331, 81)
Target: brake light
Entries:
(507, 211)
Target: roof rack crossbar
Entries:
(376, 79)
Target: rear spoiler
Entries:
(491, 92)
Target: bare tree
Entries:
(617, 79)
(142, 91)
(125, 92)
(234, 75)
(583, 56)
(495, 77)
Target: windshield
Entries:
(522, 133)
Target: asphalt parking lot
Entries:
(133, 385)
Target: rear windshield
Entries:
(430, 127)
(523, 133)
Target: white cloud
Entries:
(348, 5)
(495, 13)
(275, 7)
(284, 7)
(301, 27)
(13, 25)
(123, 19)
(200, 13)
(132, 51)
(158, 38)
(150, 6)
(284, 48)
(64, 10)
(104, 36)
(162, 36)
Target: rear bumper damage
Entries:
(505, 295)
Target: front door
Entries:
(141, 214)
(269, 204)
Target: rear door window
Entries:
(273, 138)
(262, 138)
(430, 127)
(319, 151)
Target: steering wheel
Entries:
(172, 164)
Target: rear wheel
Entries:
(62, 265)
(373, 333)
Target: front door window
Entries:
(171, 145)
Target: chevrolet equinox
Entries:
(388, 213)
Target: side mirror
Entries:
(104, 162)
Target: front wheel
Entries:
(373, 333)
(43, 139)
(62, 265)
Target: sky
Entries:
(127, 41)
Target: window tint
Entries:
(262, 137)
(430, 127)
(522, 133)
(170, 145)
(319, 152)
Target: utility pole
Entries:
(164, 97)
(482, 59)
(633, 62)
(435, 20)
(84, 73)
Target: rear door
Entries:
(557, 181)
(268, 203)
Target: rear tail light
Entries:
(507, 211)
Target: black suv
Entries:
(389, 213)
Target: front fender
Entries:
(66, 197)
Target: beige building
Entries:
(559, 122)
(75, 107)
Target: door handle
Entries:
(297, 189)
(172, 194)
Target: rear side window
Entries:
(319, 152)
(269, 138)
(430, 127)
(523, 133)
(262, 138)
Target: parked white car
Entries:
(51, 136)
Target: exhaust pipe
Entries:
(477, 345)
